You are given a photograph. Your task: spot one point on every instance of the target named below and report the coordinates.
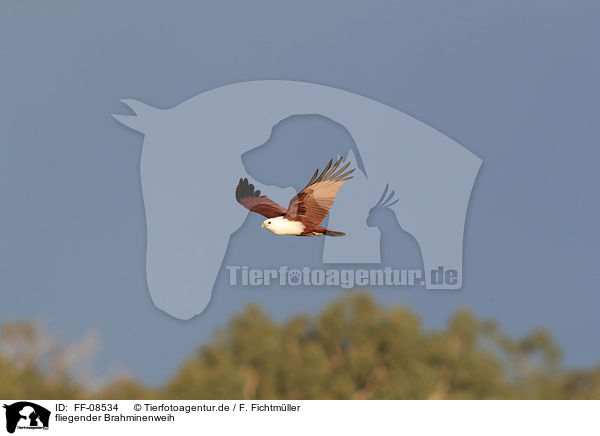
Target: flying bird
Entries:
(306, 210)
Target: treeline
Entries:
(354, 349)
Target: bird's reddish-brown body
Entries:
(311, 229)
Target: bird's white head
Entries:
(269, 223)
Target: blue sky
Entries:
(514, 82)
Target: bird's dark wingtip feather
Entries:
(242, 189)
(245, 189)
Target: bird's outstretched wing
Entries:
(252, 200)
(314, 201)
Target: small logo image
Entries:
(26, 415)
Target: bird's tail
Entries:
(328, 232)
(322, 231)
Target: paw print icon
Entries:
(294, 277)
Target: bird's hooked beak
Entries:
(263, 225)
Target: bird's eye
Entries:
(269, 222)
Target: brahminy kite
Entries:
(306, 210)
